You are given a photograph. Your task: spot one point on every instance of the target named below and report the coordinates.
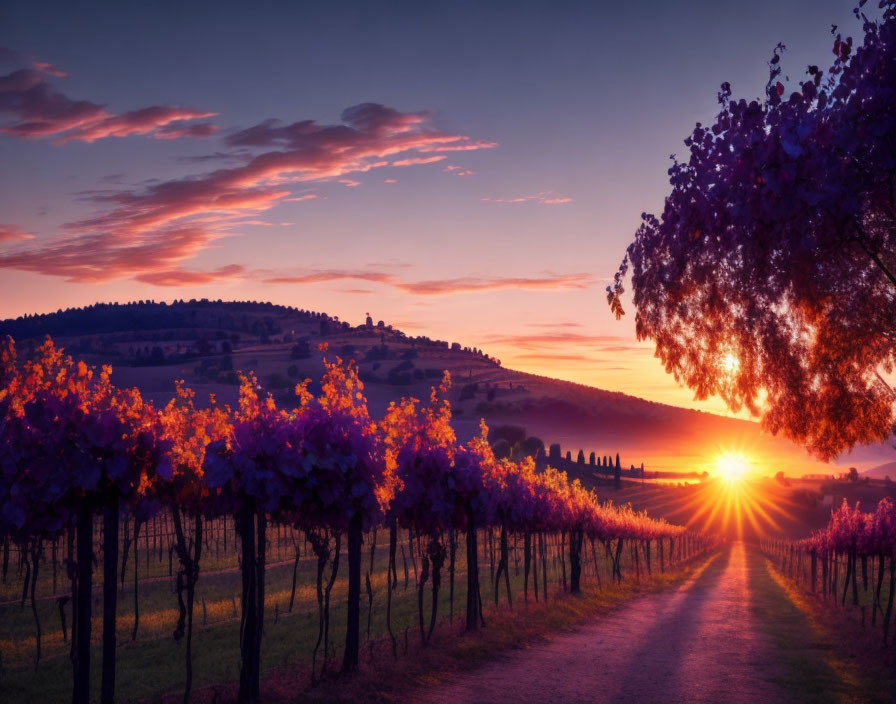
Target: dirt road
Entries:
(717, 638)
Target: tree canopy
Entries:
(770, 277)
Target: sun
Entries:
(730, 363)
(732, 467)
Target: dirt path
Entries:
(703, 642)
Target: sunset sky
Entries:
(471, 172)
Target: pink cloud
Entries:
(458, 170)
(184, 277)
(414, 161)
(178, 129)
(11, 233)
(542, 198)
(555, 201)
(160, 121)
(391, 180)
(351, 183)
(38, 110)
(328, 275)
(95, 258)
(441, 287)
(49, 68)
(153, 229)
(298, 199)
(539, 342)
(464, 145)
(438, 287)
(551, 357)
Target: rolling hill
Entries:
(150, 344)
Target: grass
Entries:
(153, 665)
(822, 658)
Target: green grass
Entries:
(154, 664)
(817, 656)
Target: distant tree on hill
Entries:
(301, 350)
(532, 446)
(513, 434)
(853, 474)
(781, 479)
(554, 453)
(501, 448)
(581, 458)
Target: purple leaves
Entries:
(776, 244)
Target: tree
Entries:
(769, 277)
(853, 474)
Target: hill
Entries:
(882, 471)
(150, 344)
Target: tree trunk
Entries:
(437, 557)
(473, 620)
(575, 561)
(248, 689)
(84, 594)
(421, 585)
(880, 580)
(889, 613)
(452, 556)
(391, 581)
(527, 563)
(295, 573)
(353, 624)
(137, 524)
(36, 550)
(329, 589)
(110, 596)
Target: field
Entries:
(152, 665)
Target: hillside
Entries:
(151, 344)
(882, 471)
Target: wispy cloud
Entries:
(328, 275)
(418, 160)
(550, 357)
(438, 287)
(552, 326)
(149, 231)
(550, 340)
(186, 277)
(458, 170)
(542, 198)
(11, 233)
(441, 287)
(37, 110)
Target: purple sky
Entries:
(472, 172)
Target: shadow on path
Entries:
(730, 634)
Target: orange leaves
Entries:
(341, 390)
(407, 461)
(190, 430)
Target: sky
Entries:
(468, 171)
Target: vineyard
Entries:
(111, 509)
(855, 546)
